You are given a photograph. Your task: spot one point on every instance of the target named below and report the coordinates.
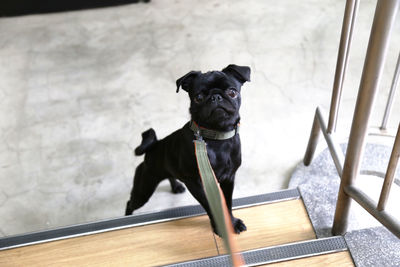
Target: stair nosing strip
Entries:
(136, 220)
(224, 260)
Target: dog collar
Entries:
(200, 132)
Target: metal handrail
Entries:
(320, 126)
(391, 223)
(385, 14)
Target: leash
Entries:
(216, 200)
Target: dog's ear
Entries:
(240, 73)
(186, 82)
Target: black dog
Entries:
(214, 107)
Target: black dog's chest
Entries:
(225, 158)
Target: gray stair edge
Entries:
(374, 246)
(280, 253)
(136, 220)
(318, 185)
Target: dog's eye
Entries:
(232, 93)
(199, 98)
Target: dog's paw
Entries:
(178, 189)
(238, 225)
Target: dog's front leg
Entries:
(227, 188)
(195, 187)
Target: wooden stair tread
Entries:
(149, 245)
(168, 242)
(273, 224)
(342, 259)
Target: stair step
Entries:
(137, 220)
(272, 224)
(166, 237)
(318, 251)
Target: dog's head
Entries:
(215, 96)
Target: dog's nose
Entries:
(216, 98)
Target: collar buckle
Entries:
(198, 135)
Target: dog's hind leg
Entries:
(176, 186)
(144, 185)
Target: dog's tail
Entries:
(149, 139)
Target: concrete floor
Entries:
(78, 88)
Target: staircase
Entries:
(279, 233)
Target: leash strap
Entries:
(216, 202)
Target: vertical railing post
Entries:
(313, 140)
(390, 172)
(385, 14)
(392, 93)
(342, 59)
(341, 65)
